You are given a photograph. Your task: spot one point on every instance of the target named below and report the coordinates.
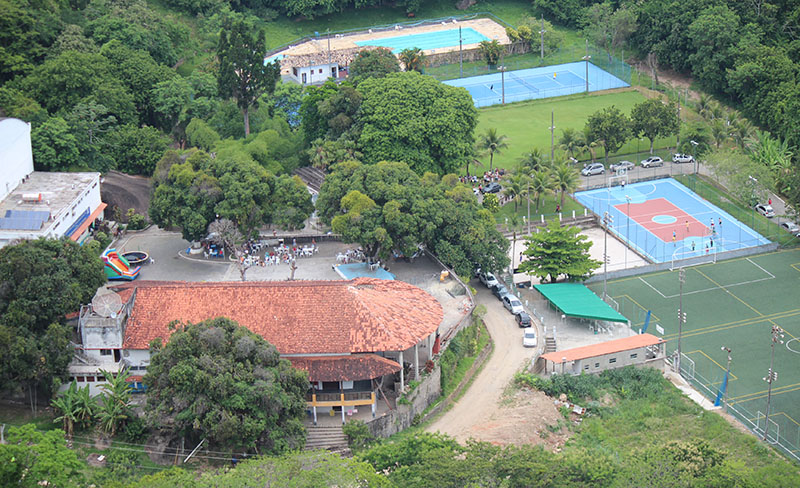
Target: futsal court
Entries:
(666, 222)
(534, 83)
(734, 304)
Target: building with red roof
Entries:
(347, 335)
(616, 353)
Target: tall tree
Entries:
(653, 118)
(492, 142)
(42, 281)
(569, 141)
(557, 251)
(220, 381)
(373, 63)
(610, 127)
(608, 27)
(540, 185)
(564, 179)
(243, 74)
(413, 59)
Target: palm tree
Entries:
(742, 132)
(570, 141)
(513, 224)
(540, 185)
(116, 400)
(704, 106)
(515, 189)
(531, 162)
(492, 142)
(474, 162)
(413, 59)
(719, 132)
(565, 180)
(66, 405)
(85, 406)
(587, 144)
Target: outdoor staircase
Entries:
(549, 344)
(331, 438)
(312, 177)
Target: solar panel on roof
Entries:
(28, 214)
(20, 224)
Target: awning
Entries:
(86, 223)
(345, 368)
(575, 300)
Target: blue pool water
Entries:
(428, 40)
(533, 83)
(356, 270)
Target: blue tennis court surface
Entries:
(427, 40)
(663, 220)
(533, 83)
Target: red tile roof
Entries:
(298, 317)
(603, 348)
(345, 368)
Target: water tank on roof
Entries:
(31, 197)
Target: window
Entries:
(612, 360)
(90, 379)
(586, 367)
(304, 78)
(320, 71)
(634, 355)
(79, 379)
(101, 378)
(105, 352)
(347, 385)
(71, 379)
(596, 365)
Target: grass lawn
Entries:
(526, 124)
(547, 207)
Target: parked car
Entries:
(488, 279)
(523, 319)
(593, 169)
(791, 227)
(765, 210)
(529, 338)
(499, 290)
(626, 165)
(492, 187)
(652, 162)
(512, 304)
(682, 158)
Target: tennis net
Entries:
(523, 82)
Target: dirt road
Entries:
(479, 407)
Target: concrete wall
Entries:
(474, 54)
(15, 154)
(428, 391)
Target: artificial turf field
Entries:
(732, 303)
(526, 124)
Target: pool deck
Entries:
(487, 27)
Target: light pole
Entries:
(607, 220)
(528, 194)
(681, 315)
(628, 230)
(777, 337)
(586, 59)
(753, 183)
(541, 33)
(724, 389)
(460, 53)
(695, 144)
(552, 134)
(503, 82)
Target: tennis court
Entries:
(734, 304)
(665, 221)
(533, 83)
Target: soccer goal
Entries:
(704, 254)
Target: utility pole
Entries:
(627, 230)
(329, 49)
(586, 59)
(460, 53)
(529, 206)
(607, 220)
(552, 135)
(772, 375)
(503, 82)
(681, 315)
(541, 33)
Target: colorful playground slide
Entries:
(117, 267)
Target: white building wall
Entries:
(16, 157)
(314, 74)
(88, 198)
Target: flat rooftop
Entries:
(58, 191)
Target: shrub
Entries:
(358, 434)
(135, 221)
(135, 429)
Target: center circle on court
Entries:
(664, 219)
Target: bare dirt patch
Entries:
(125, 191)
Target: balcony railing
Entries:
(349, 399)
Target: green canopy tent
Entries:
(576, 300)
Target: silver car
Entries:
(626, 165)
(682, 158)
(791, 227)
(765, 210)
(652, 162)
(593, 169)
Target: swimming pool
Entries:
(357, 270)
(427, 40)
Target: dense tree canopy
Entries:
(30, 459)
(220, 381)
(190, 194)
(653, 118)
(373, 63)
(610, 127)
(386, 207)
(557, 251)
(416, 119)
(42, 280)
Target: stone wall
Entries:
(426, 392)
(474, 54)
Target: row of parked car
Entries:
(651, 162)
(512, 304)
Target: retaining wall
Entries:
(427, 391)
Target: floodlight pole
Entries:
(586, 58)
(772, 375)
(696, 164)
(541, 33)
(681, 316)
(607, 219)
(503, 82)
(628, 230)
(529, 206)
(460, 53)
(552, 134)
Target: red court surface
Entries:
(657, 216)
